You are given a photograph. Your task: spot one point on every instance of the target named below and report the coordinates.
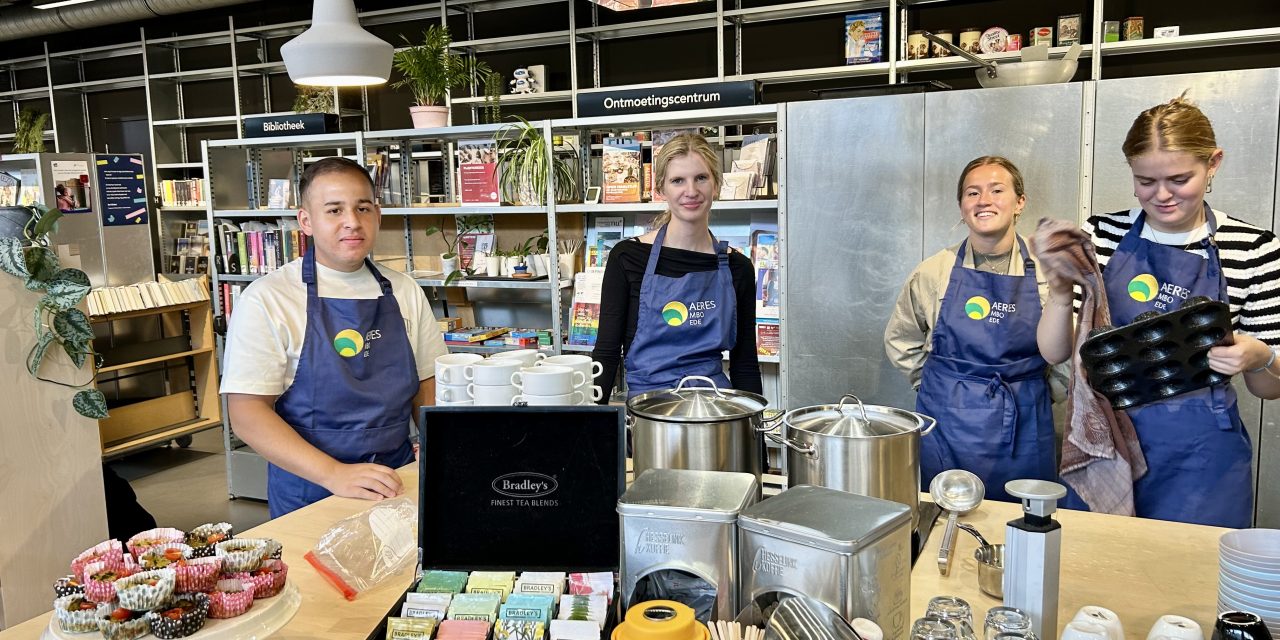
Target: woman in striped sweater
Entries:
(1198, 453)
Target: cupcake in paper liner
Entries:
(180, 617)
(231, 597)
(203, 538)
(131, 566)
(144, 540)
(241, 554)
(100, 581)
(76, 613)
(109, 551)
(165, 555)
(146, 590)
(122, 624)
(197, 574)
(67, 585)
(269, 578)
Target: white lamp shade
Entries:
(336, 51)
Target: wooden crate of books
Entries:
(159, 370)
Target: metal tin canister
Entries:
(994, 40)
(1015, 42)
(917, 46)
(1040, 36)
(1068, 30)
(1133, 28)
(939, 51)
(970, 40)
(1111, 31)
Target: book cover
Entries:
(863, 37)
(478, 172)
(609, 230)
(660, 138)
(620, 166)
(768, 337)
(764, 257)
(584, 316)
(475, 334)
(278, 193)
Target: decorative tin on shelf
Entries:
(937, 50)
(970, 39)
(1111, 31)
(1040, 36)
(1068, 30)
(917, 46)
(677, 522)
(1133, 28)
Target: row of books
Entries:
(182, 193)
(230, 296)
(146, 295)
(255, 248)
(628, 175)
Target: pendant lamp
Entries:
(336, 51)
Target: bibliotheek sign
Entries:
(683, 97)
(301, 124)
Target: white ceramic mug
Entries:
(585, 364)
(451, 393)
(1103, 617)
(492, 372)
(1176, 628)
(527, 357)
(449, 367)
(591, 394)
(548, 380)
(489, 395)
(460, 403)
(563, 399)
(1082, 630)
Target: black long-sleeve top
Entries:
(620, 308)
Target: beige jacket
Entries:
(909, 336)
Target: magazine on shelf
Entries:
(764, 258)
(478, 172)
(278, 193)
(863, 37)
(609, 231)
(620, 167)
(584, 316)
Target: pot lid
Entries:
(684, 494)
(853, 420)
(825, 518)
(696, 404)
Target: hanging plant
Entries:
(524, 169)
(56, 318)
(28, 137)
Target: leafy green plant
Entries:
(526, 165)
(56, 319)
(314, 100)
(28, 137)
(430, 70)
(465, 225)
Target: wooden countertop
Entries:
(1141, 569)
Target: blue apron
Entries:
(984, 381)
(353, 393)
(683, 324)
(1197, 450)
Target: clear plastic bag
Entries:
(363, 550)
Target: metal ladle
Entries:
(959, 492)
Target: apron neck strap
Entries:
(309, 272)
(1028, 265)
(651, 267)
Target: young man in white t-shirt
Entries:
(327, 358)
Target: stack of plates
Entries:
(1249, 574)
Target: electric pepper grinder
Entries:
(1033, 554)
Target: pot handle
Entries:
(709, 381)
(986, 64)
(861, 407)
(933, 422)
(805, 449)
(769, 424)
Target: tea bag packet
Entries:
(475, 606)
(518, 630)
(424, 608)
(410, 628)
(499, 582)
(592, 608)
(463, 630)
(527, 607)
(541, 582)
(442, 582)
(586, 584)
(574, 630)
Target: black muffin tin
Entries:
(1158, 355)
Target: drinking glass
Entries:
(934, 628)
(956, 611)
(1006, 620)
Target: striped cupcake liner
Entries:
(73, 619)
(109, 551)
(231, 598)
(135, 593)
(198, 538)
(140, 543)
(127, 630)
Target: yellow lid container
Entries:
(660, 620)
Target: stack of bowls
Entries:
(1249, 574)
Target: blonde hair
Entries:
(682, 145)
(983, 161)
(1177, 125)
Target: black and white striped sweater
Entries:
(1250, 259)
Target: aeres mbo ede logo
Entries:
(675, 313)
(977, 308)
(348, 343)
(1143, 287)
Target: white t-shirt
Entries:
(269, 322)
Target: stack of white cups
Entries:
(451, 384)
(584, 364)
(548, 385)
(491, 381)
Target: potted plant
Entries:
(431, 70)
(28, 137)
(525, 166)
(449, 259)
(314, 100)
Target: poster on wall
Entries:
(71, 185)
(124, 198)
